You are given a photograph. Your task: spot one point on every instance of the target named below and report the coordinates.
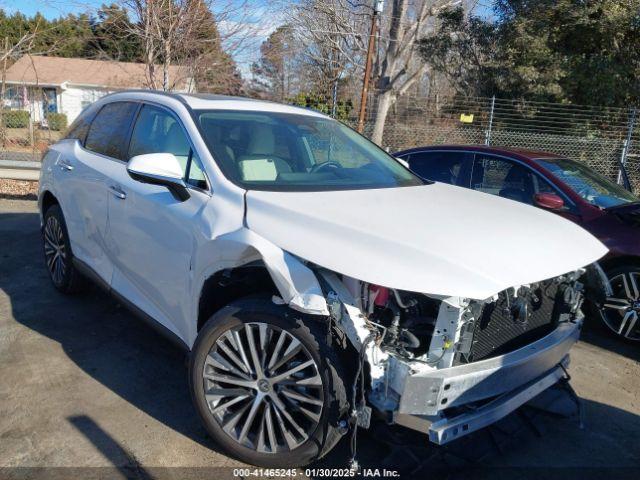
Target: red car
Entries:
(566, 187)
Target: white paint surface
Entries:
(436, 239)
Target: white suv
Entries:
(310, 275)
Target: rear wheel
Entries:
(620, 311)
(57, 252)
(267, 384)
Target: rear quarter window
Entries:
(109, 131)
(80, 126)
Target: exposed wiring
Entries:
(355, 405)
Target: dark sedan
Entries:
(566, 187)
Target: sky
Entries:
(50, 8)
(259, 18)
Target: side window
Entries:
(157, 131)
(80, 126)
(109, 131)
(445, 167)
(540, 185)
(195, 174)
(503, 178)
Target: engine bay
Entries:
(420, 328)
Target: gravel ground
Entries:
(18, 189)
(87, 391)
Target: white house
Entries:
(66, 85)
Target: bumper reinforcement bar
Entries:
(444, 430)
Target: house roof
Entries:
(49, 71)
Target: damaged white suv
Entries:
(310, 275)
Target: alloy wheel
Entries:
(620, 311)
(54, 249)
(263, 387)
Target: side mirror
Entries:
(550, 201)
(159, 169)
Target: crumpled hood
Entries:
(436, 238)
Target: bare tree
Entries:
(332, 35)
(159, 24)
(172, 32)
(9, 52)
(399, 66)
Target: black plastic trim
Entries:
(178, 188)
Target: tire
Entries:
(57, 253)
(621, 311)
(319, 388)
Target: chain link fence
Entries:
(28, 123)
(603, 138)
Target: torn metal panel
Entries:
(296, 283)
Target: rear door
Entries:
(452, 167)
(85, 167)
(152, 235)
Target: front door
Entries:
(49, 101)
(152, 235)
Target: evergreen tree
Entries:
(579, 51)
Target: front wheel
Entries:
(268, 385)
(620, 311)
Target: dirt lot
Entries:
(84, 384)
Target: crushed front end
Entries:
(448, 366)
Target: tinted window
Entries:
(446, 167)
(109, 131)
(504, 178)
(80, 126)
(158, 131)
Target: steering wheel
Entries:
(319, 166)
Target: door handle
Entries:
(64, 165)
(117, 191)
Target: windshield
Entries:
(283, 151)
(591, 186)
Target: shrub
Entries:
(15, 118)
(57, 121)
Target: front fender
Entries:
(297, 284)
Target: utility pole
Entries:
(377, 8)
